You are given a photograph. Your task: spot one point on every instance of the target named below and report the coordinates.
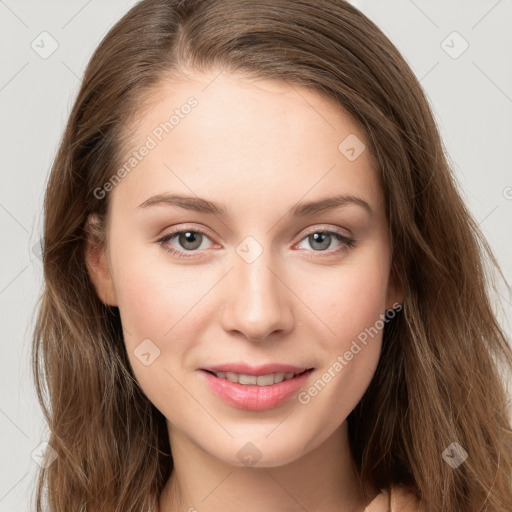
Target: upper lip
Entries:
(265, 369)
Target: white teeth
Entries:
(233, 377)
(248, 379)
(278, 377)
(261, 380)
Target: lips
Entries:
(265, 369)
(261, 380)
(255, 397)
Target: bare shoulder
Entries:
(399, 499)
(403, 499)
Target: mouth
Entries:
(257, 380)
(255, 392)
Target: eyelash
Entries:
(346, 241)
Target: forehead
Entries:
(218, 132)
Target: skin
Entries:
(258, 147)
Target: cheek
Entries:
(351, 346)
(352, 308)
(152, 294)
(353, 296)
(154, 303)
(145, 300)
(150, 300)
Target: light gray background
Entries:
(471, 97)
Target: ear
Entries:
(395, 292)
(97, 262)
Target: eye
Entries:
(320, 240)
(188, 239)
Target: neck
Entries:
(324, 479)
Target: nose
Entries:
(258, 300)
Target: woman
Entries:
(199, 350)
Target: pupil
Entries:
(320, 238)
(190, 237)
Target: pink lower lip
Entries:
(255, 398)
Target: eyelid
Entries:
(184, 229)
(346, 239)
(171, 234)
(318, 228)
(347, 242)
(314, 229)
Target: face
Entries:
(257, 279)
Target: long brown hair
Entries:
(440, 379)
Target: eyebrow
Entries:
(299, 210)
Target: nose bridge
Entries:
(257, 304)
